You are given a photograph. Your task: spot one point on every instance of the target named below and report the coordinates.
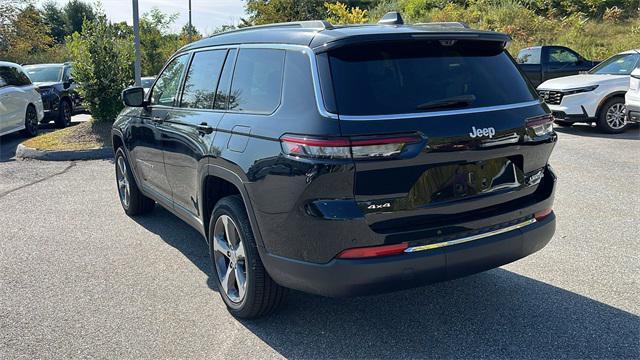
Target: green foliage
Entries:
(275, 11)
(535, 22)
(54, 17)
(25, 36)
(75, 13)
(339, 13)
(103, 56)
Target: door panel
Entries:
(186, 142)
(147, 147)
(188, 130)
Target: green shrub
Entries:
(103, 58)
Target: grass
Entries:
(84, 136)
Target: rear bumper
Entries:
(340, 278)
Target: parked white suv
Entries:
(597, 96)
(632, 99)
(20, 103)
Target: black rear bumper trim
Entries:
(354, 277)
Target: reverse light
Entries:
(373, 251)
(541, 125)
(346, 148)
(542, 214)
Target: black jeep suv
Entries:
(342, 160)
(58, 91)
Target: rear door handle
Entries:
(204, 128)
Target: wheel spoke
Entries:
(220, 245)
(241, 280)
(230, 232)
(226, 279)
(240, 255)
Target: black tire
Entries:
(31, 121)
(137, 203)
(563, 123)
(64, 114)
(262, 295)
(612, 106)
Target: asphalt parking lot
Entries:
(80, 279)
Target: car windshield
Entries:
(44, 73)
(621, 64)
(422, 76)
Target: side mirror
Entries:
(133, 96)
(67, 84)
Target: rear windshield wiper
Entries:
(451, 102)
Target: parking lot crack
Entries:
(72, 164)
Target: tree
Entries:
(340, 14)
(103, 56)
(54, 17)
(155, 43)
(25, 36)
(75, 13)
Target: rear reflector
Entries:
(373, 251)
(542, 214)
(346, 148)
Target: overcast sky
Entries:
(205, 14)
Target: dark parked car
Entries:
(541, 63)
(58, 90)
(342, 160)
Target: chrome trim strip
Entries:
(471, 238)
(439, 113)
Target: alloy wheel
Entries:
(615, 116)
(66, 112)
(124, 189)
(31, 122)
(229, 258)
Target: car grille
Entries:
(551, 97)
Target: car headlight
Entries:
(580, 90)
(45, 91)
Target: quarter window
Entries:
(257, 81)
(166, 88)
(202, 79)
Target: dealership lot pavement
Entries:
(80, 279)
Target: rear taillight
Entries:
(346, 148)
(541, 125)
(373, 251)
(542, 214)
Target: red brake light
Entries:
(345, 148)
(373, 251)
(542, 214)
(541, 125)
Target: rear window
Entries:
(425, 76)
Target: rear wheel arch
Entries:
(219, 182)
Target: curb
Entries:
(25, 152)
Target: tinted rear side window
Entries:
(202, 79)
(257, 81)
(12, 76)
(396, 78)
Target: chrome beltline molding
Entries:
(471, 238)
(439, 113)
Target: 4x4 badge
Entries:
(379, 206)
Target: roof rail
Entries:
(310, 24)
(445, 24)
